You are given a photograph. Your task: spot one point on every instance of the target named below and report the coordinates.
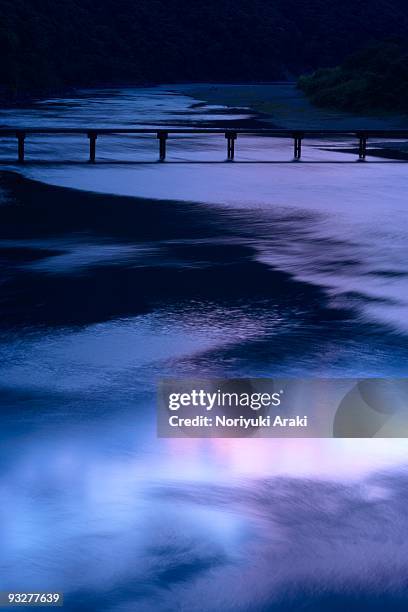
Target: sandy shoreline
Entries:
(282, 104)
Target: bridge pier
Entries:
(162, 133)
(21, 138)
(92, 146)
(162, 136)
(231, 138)
(297, 146)
(362, 148)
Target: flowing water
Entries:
(199, 269)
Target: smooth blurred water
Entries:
(356, 211)
(243, 270)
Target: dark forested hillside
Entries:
(370, 80)
(58, 43)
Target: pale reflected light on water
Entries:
(275, 271)
(119, 522)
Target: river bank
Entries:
(286, 106)
(283, 105)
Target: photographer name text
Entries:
(238, 422)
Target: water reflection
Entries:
(120, 525)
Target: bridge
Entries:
(361, 137)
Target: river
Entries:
(117, 274)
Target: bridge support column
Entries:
(21, 138)
(92, 146)
(162, 136)
(231, 138)
(297, 146)
(362, 148)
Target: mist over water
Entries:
(221, 270)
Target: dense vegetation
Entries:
(59, 43)
(374, 79)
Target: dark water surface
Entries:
(282, 272)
